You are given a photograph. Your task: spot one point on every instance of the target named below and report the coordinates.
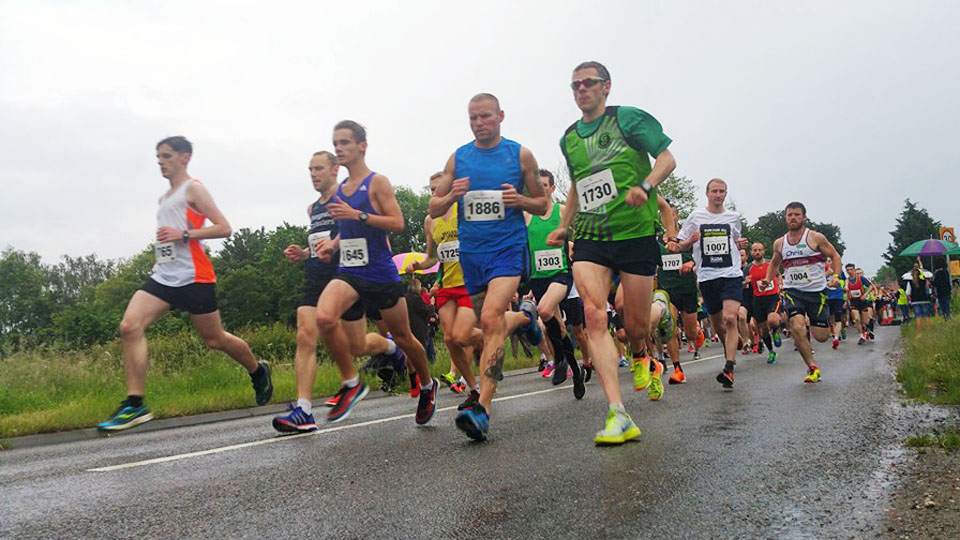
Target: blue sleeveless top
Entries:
(488, 168)
(322, 223)
(380, 267)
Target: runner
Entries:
(182, 279)
(485, 177)
(550, 282)
(714, 234)
(857, 287)
(835, 302)
(366, 210)
(745, 319)
(454, 307)
(572, 309)
(677, 278)
(802, 253)
(766, 302)
(612, 206)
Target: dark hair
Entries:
(359, 132)
(485, 96)
(849, 264)
(331, 159)
(548, 174)
(795, 205)
(178, 143)
(601, 69)
(435, 175)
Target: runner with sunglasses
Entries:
(485, 178)
(612, 206)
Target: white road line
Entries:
(285, 438)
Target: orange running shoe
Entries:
(677, 378)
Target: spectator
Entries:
(941, 284)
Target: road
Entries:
(772, 458)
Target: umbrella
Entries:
(928, 248)
(402, 260)
(926, 273)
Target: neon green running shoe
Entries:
(618, 429)
(449, 379)
(813, 375)
(667, 325)
(641, 374)
(655, 391)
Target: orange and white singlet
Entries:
(180, 263)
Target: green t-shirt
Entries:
(545, 261)
(606, 157)
(673, 281)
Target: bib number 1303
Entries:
(353, 252)
(484, 205)
(596, 190)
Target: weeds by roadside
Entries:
(949, 440)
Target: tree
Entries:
(414, 208)
(886, 274)
(681, 193)
(25, 308)
(67, 280)
(913, 224)
(773, 225)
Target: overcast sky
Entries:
(849, 107)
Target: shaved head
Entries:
(483, 96)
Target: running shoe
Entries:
(776, 339)
(725, 378)
(843, 334)
(576, 371)
(759, 347)
(262, 384)
(714, 338)
(655, 390)
(700, 339)
(559, 373)
(813, 375)
(772, 357)
(449, 379)
(428, 403)
(125, 417)
(332, 401)
(690, 348)
(543, 362)
(862, 340)
(587, 373)
(295, 421)
(531, 330)
(472, 397)
(623, 362)
(755, 349)
(346, 399)
(618, 428)
(678, 377)
(548, 371)
(696, 355)
(458, 387)
(871, 335)
(836, 343)
(474, 421)
(414, 385)
(641, 375)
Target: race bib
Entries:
(671, 263)
(449, 251)
(768, 288)
(483, 205)
(314, 239)
(596, 190)
(855, 293)
(353, 252)
(799, 275)
(716, 246)
(548, 259)
(165, 252)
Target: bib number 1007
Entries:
(596, 190)
(484, 205)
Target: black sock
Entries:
(729, 366)
(562, 346)
(870, 325)
(133, 401)
(676, 367)
(767, 341)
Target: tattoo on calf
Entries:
(495, 371)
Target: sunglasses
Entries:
(586, 82)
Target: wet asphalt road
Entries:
(774, 458)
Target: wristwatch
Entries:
(186, 235)
(646, 186)
(363, 217)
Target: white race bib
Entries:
(671, 263)
(716, 246)
(353, 252)
(165, 252)
(548, 259)
(449, 251)
(799, 275)
(483, 205)
(768, 288)
(314, 239)
(855, 293)
(596, 190)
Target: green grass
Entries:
(930, 370)
(53, 390)
(949, 440)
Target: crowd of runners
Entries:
(611, 272)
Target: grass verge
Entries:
(930, 369)
(44, 391)
(949, 440)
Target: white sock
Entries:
(350, 383)
(391, 346)
(305, 404)
(427, 386)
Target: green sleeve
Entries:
(642, 130)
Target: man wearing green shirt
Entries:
(612, 206)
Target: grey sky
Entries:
(849, 107)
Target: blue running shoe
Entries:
(772, 357)
(348, 397)
(531, 330)
(296, 421)
(474, 421)
(125, 417)
(776, 338)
